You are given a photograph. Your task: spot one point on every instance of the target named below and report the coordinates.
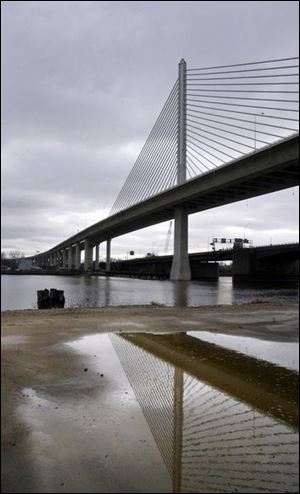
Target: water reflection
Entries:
(180, 293)
(225, 295)
(107, 292)
(282, 350)
(223, 422)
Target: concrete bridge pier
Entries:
(73, 256)
(180, 269)
(70, 257)
(108, 242)
(77, 255)
(64, 258)
(88, 255)
(97, 257)
(254, 265)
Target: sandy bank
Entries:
(264, 320)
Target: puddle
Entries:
(280, 353)
(95, 439)
(211, 440)
(159, 413)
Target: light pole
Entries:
(245, 226)
(270, 239)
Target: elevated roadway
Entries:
(270, 169)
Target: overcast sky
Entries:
(82, 85)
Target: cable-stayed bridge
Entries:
(225, 133)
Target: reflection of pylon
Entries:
(168, 237)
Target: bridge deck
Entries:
(268, 170)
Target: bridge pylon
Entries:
(180, 269)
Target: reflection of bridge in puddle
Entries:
(223, 422)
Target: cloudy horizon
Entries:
(82, 85)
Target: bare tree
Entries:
(16, 254)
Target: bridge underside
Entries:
(287, 176)
(266, 171)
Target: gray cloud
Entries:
(82, 85)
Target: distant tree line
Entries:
(10, 259)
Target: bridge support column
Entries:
(108, 254)
(180, 269)
(64, 258)
(88, 255)
(77, 255)
(70, 257)
(73, 256)
(97, 257)
(254, 265)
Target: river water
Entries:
(19, 291)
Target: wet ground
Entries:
(202, 402)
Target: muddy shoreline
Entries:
(262, 320)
